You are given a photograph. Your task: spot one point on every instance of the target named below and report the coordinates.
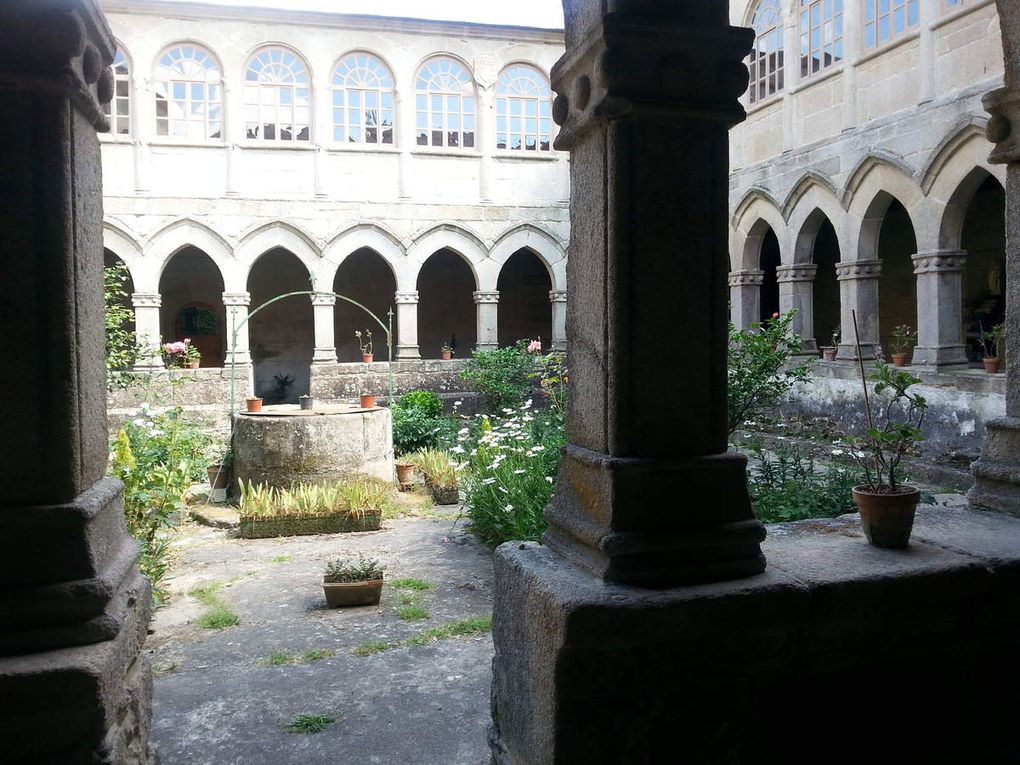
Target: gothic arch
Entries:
(118, 241)
(278, 235)
(537, 240)
(372, 236)
(182, 233)
(754, 217)
(811, 180)
(961, 139)
(867, 196)
(446, 236)
(813, 204)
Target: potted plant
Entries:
(887, 506)
(446, 351)
(405, 474)
(349, 582)
(903, 339)
(307, 403)
(365, 341)
(181, 353)
(254, 403)
(367, 400)
(440, 474)
(990, 346)
(218, 468)
(829, 351)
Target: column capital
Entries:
(799, 272)
(627, 66)
(939, 261)
(746, 277)
(323, 298)
(1003, 128)
(237, 298)
(482, 296)
(410, 296)
(146, 299)
(557, 296)
(858, 269)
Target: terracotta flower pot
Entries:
(339, 594)
(219, 476)
(446, 355)
(829, 354)
(194, 364)
(887, 519)
(991, 364)
(254, 404)
(367, 357)
(367, 401)
(405, 475)
(899, 359)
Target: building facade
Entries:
(404, 165)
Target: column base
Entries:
(943, 356)
(324, 356)
(486, 346)
(405, 352)
(848, 351)
(997, 472)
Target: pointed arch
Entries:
(543, 244)
(754, 194)
(446, 236)
(810, 180)
(885, 163)
(187, 231)
(872, 188)
(757, 214)
(965, 134)
(282, 235)
(812, 205)
(373, 236)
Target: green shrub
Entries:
(413, 429)
(425, 400)
(503, 376)
(122, 349)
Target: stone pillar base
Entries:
(997, 472)
(940, 357)
(405, 352)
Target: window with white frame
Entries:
(444, 104)
(277, 96)
(523, 110)
(362, 100)
(766, 61)
(119, 108)
(189, 94)
(821, 35)
(887, 19)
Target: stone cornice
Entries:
(63, 47)
(942, 261)
(481, 296)
(557, 296)
(746, 278)
(627, 68)
(406, 297)
(1003, 128)
(858, 269)
(146, 299)
(237, 298)
(801, 272)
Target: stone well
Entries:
(282, 445)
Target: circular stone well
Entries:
(283, 445)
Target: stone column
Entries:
(997, 472)
(407, 325)
(485, 134)
(487, 314)
(940, 308)
(147, 328)
(323, 320)
(795, 293)
(927, 55)
(404, 135)
(853, 38)
(74, 608)
(558, 298)
(858, 291)
(237, 304)
(143, 126)
(745, 296)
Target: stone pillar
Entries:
(237, 304)
(927, 55)
(74, 608)
(645, 95)
(488, 318)
(407, 325)
(997, 472)
(324, 322)
(940, 308)
(745, 297)
(147, 328)
(486, 141)
(858, 291)
(795, 293)
(558, 298)
(143, 126)
(853, 39)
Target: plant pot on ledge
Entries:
(367, 400)
(366, 358)
(991, 364)
(828, 353)
(254, 403)
(405, 475)
(887, 517)
(899, 359)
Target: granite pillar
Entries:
(74, 608)
(940, 308)
(858, 291)
(796, 293)
(558, 299)
(487, 313)
(147, 333)
(323, 322)
(745, 297)
(407, 324)
(238, 352)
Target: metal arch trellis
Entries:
(235, 327)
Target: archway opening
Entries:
(282, 334)
(984, 283)
(192, 304)
(897, 285)
(446, 310)
(366, 277)
(524, 307)
(127, 286)
(768, 261)
(825, 290)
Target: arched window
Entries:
(119, 109)
(277, 96)
(362, 100)
(886, 19)
(445, 104)
(766, 61)
(821, 35)
(189, 98)
(523, 108)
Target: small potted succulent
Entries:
(829, 351)
(990, 341)
(446, 351)
(903, 339)
(352, 582)
(440, 474)
(365, 342)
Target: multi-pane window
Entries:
(523, 110)
(277, 96)
(362, 100)
(444, 104)
(189, 94)
(119, 109)
(766, 61)
(886, 19)
(821, 35)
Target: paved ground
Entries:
(414, 705)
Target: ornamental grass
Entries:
(357, 497)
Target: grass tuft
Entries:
(310, 723)
(412, 584)
(281, 559)
(283, 658)
(219, 615)
(474, 625)
(412, 613)
(367, 649)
